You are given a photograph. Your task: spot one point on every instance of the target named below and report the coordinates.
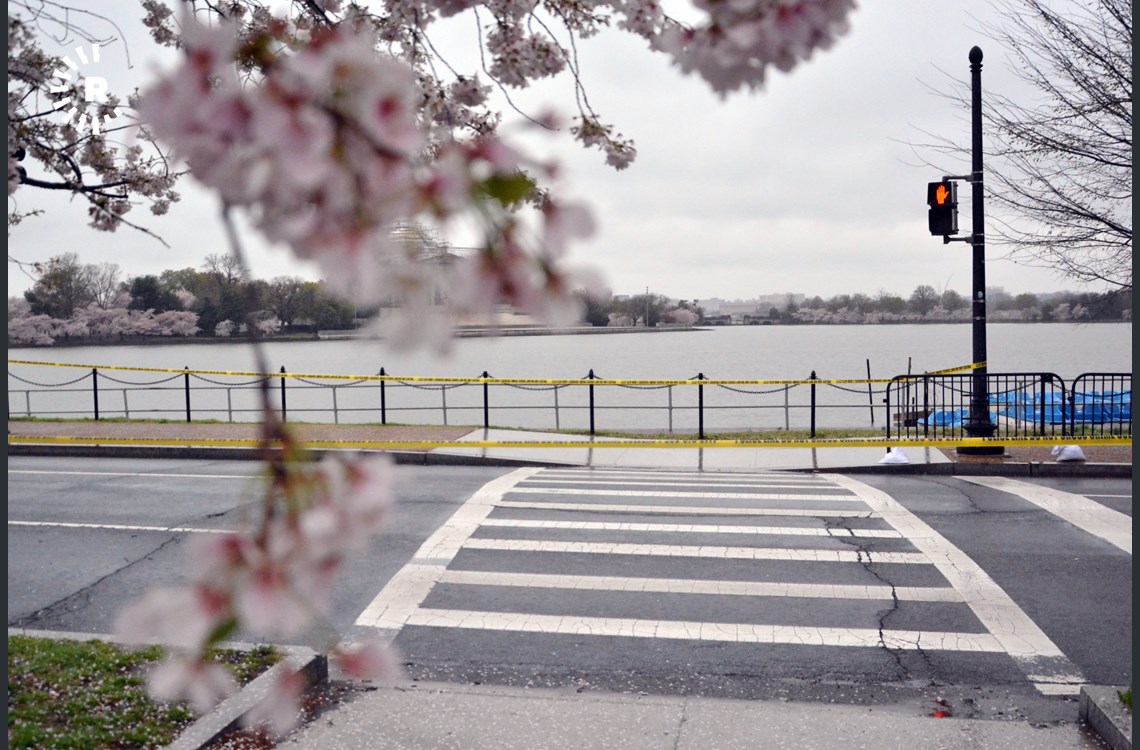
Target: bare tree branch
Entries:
(1062, 167)
(1059, 162)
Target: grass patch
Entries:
(92, 694)
(1126, 698)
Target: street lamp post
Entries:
(942, 198)
(978, 422)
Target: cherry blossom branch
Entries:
(77, 187)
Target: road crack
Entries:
(838, 529)
(82, 597)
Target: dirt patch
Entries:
(321, 698)
(1099, 454)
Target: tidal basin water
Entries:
(736, 352)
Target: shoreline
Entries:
(503, 332)
(460, 333)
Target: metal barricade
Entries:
(1018, 405)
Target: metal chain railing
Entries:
(931, 405)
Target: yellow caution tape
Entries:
(585, 444)
(490, 380)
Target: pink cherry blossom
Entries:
(202, 684)
(183, 617)
(368, 660)
(330, 128)
(280, 710)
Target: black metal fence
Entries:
(1017, 404)
(913, 406)
(591, 403)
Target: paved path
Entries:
(571, 449)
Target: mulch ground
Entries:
(1107, 454)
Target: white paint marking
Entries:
(1052, 688)
(690, 528)
(1011, 631)
(686, 510)
(695, 586)
(672, 483)
(709, 551)
(404, 593)
(1018, 635)
(133, 474)
(1112, 526)
(785, 497)
(120, 527)
(797, 635)
(701, 476)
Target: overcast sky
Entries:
(810, 186)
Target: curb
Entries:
(1100, 707)
(230, 714)
(420, 458)
(1009, 469)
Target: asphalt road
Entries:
(988, 599)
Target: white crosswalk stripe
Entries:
(696, 586)
(1112, 526)
(525, 520)
(710, 551)
(692, 528)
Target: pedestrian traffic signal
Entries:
(942, 197)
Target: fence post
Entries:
(591, 376)
(284, 412)
(925, 405)
(557, 426)
(887, 407)
(95, 391)
(186, 388)
(812, 377)
(443, 395)
(700, 408)
(383, 405)
(1068, 423)
(670, 391)
(870, 396)
(336, 412)
(486, 409)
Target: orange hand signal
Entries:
(941, 194)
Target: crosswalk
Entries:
(692, 558)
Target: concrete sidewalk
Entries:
(206, 440)
(435, 715)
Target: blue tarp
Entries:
(1091, 407)
(953, 418)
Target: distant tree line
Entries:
(76, 302)
(73, 301)
(925, 304)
